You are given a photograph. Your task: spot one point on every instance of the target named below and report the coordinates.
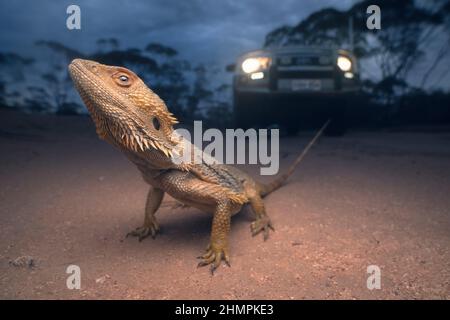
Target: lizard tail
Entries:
(279, 181)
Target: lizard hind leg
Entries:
(150, 226)
(262, 222)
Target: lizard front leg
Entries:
(206, 197)
(150, 226)
(218, 246)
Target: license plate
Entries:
(306, 84)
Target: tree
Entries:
(57, 83)
(442, 8)
(13, 70)
(131, 58)
(157, 48)
(407, 29)
(181, 86)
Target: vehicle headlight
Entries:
(344, 63)
(251, 65)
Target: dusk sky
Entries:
(207, 31)
(203, 31)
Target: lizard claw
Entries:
(214, 256)
(262, 224)
(143, 232)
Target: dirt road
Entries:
(367, 198)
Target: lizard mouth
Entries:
(90, 92)
(81, 64)
(83, 74)
(77, 68)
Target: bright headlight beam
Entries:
(344, 63)
(254, 64)
(250, 65)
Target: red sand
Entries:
(366, 198)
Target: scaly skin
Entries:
(133, 118)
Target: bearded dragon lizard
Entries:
(130, 116)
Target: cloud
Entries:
(209, 31)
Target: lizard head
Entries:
(123, 108)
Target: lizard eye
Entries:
(123, 80)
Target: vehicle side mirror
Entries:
(230, 67)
